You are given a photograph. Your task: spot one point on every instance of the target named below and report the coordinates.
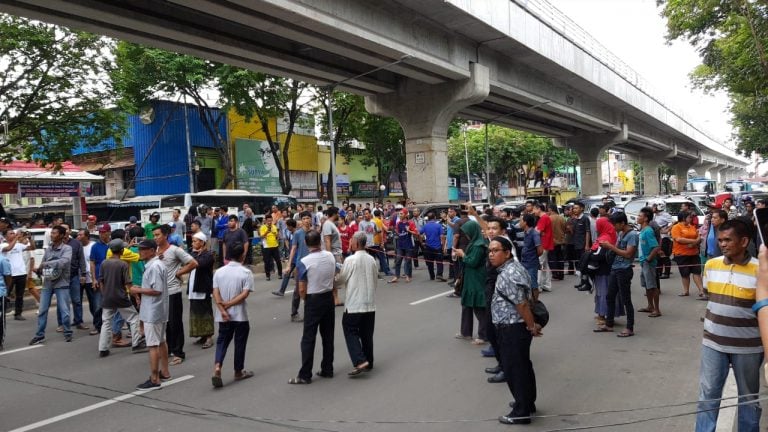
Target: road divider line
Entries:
(20, 349)
(430, 298)
(98, 405)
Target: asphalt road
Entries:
(424, 379)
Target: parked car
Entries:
(672, 204)
(590, 202)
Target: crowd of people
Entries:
(497, 263)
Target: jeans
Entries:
(77, 303)
(227, 331)
(319, 314)
(432, 257)
(175, 330)
(358, 333)
(105, 336)
(383, 259)
(714, 371)
(19, 286)
(62, 306)
(545, 276)
(94, 303)
(619, 283)
(406, 254)
(451, 264)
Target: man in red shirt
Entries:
(544, 227)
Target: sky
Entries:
(634, 31)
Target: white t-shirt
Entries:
(231, 281)
(87, 253)
(16, 258)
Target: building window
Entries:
(97, 189)
(128, 176)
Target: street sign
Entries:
(49, 189)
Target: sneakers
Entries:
(268, 279)
(60, 329)
(488, 352)
(19, 318)
(279, 275)
(147, 385)
(297, 318)
(37, 340)
(278, 293)
(103, 353)
(141, 347)
(68, 338)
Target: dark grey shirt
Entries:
(580, 229)
(77, 266)
(57, 258)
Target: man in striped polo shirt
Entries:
(731, 334)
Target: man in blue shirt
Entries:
(434, 238)
(448, 248)
(532, 249)
(299, 250)
(620, 279)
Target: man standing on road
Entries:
(14, 250)
(230, 289)
(620, 279)
(77, 277)
(648, 250)
(664, 221)
(731, 332)
(582, 234)
(54, 269)
(315, 277)
(360, 276)
(178, 263)
(5, 283)
(299, 250)
(116, 282)
(332, 242)
(154, 313)
(270, 247)
(556, 257)
(380, 242)
(93, 296)
(434, 238)
(544, 227)
(234, 235)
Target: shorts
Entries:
(688, 265)
(648, 276)
(154, 333)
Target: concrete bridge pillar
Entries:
(424, 111)
(590, 147)
(681, 167)
(650, 164)
(705, 167)
(722, 173)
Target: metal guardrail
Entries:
(562, 24)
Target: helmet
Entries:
(660, 206)
(155, 214)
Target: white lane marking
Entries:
(20, 349)
(726, 420)
(96, 406)
(430, 298)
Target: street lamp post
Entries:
(466, 157)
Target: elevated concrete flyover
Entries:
(512, 62)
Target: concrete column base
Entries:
(424, 112)
(590, 148)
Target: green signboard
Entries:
(256, 170)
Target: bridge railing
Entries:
(562, 24)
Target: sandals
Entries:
(603, 329)
(299, 380)
(208, 343)
(645, 310)
(244, 374)
(176, 361)
(626, 333)
(478, 342)
(393, 280)
(359, 369)
(217, 382)
(683, 295)
(461, 336)
(654, 315)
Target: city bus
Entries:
(233, 199)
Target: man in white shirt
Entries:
(315, 275)
(359, 275)
(14, 250)
(93, 296)
(231, 286)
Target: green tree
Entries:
(262, 97)
(510, 153)
(52, 93)
(731, 37)
(384, 146)
(144, 73)
(348, 113)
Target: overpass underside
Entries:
(422, 62)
